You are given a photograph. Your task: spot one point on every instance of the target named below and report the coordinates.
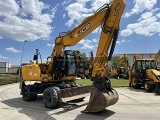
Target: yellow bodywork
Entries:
(153, 75)
(31, 72)
(144, 73)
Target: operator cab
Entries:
(67, 64)
(142, 65)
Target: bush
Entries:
(8, 79)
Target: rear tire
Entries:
(51, 97)
(27, 95)
(148, 86)
(135, 83)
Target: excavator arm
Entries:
(124, 59)
(157, 55)
(108, 16)
(121, 71)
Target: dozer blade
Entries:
(75, 93)
(99, 100)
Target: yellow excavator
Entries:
(157, 56)
(120, 71)
(55, 79)
(144, 73)
(89, 66)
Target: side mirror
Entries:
(35, 57)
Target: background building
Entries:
(142, 55)
(7, 68)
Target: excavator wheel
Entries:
(101, 98)
(148, 86)
(27, 95)
(51, 97)
(135, 83)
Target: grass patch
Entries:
(114, 82)
(8, 79)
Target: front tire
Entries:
(148, 86)
(135, 82)
(51, 97)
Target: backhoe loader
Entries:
(144, 73)
(88, 68)
(56, 78)
(121, 71)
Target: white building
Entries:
(7, 68)
(142, 55)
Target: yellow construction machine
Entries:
(144, 73)
(55, 79)
(157, 56)
(121, 71)
(89, 66)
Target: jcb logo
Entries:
(117, 8)
(84, 29)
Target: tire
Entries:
(27, 95)
(148, 86)
(58, 91)
(135, 83)
(51, 97)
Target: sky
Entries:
(39, 22)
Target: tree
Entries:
(83, 58)
(114, 61)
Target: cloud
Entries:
(78, 10)
(97, 30)
(122, 41)
(141, 6)
(118, 42)
(87, 44)
(146, 25)
(158, 15)
(25, 20)
(13, 50)
(50, 45)
(95, 40)
(3, 57)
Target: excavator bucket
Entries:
(99, 100)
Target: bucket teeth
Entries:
(100, 100)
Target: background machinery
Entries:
(144, 73)
(121, 71)
(55, 79)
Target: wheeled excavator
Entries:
(120, 71)
(55, 79)
(144, 73)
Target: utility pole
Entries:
(22, 52)
(19, 72)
